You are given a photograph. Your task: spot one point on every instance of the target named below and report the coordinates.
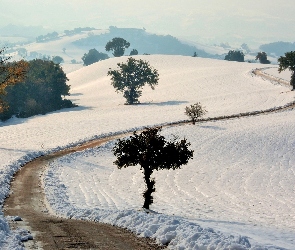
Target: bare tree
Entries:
(195, 111)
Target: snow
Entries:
(285, 75)
(237, 192)
(55, 47)
(247, 188)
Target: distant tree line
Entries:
(117, 45)
(41, 91)
(146, 43)
(48, 37)
(235, 55)
(77, 30)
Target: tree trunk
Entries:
(292, 82)
(150, 184)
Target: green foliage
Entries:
(93, 56)
(144, 41)
(48, 37)
(235, 55)
(262, 57)
(288, 62)
(11, 73)
(195, 111)
(134, 52)
(132, 76)
(152, 152)
(118, 46)
(57, 59)
(40, 92)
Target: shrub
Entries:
(195, 111)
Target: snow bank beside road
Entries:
(176, 232)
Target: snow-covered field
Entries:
(240, 182)
(273, 70)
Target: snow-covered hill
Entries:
(241, 167)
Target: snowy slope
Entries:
(223, 87)
(240, 182)
(55, 47)
(285, 75)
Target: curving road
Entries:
(49, 232)
(27, 201)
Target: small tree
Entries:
(134, 52)
(132, 76)
(118, 46)
(152, 152)
(262, 57)
(93, 56)
(195, 111)
(235, 55)
(288, 62)
(57, 59)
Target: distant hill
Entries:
(12, 30)
(277, 48)
(144, 42)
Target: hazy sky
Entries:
(198, 20)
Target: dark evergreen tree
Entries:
(134, 52)
(93, 56)
(152, 152)
(118, 46)
(132, 76)
(57, 59)
(235, 55)
(288, 62)
(262, 57)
